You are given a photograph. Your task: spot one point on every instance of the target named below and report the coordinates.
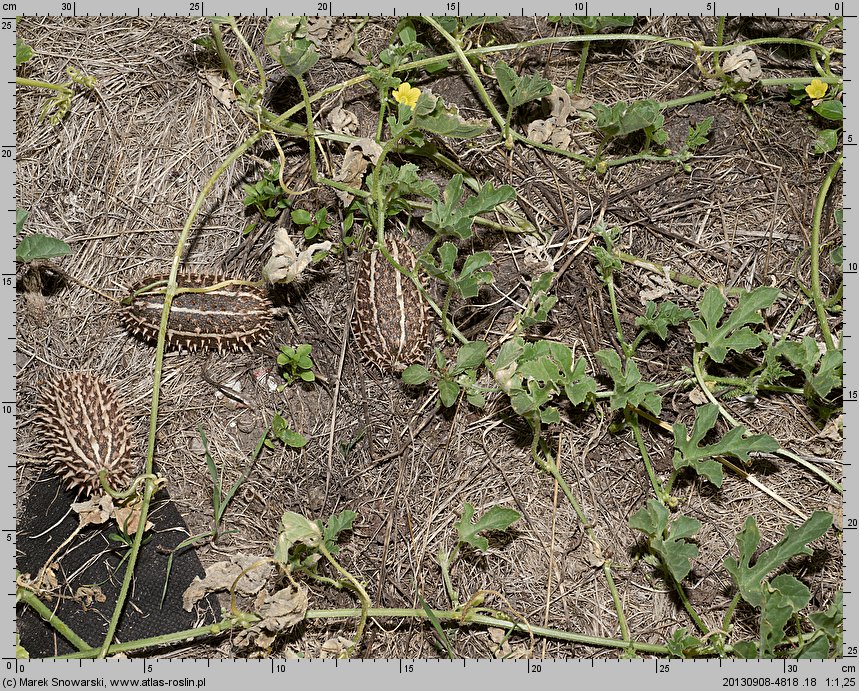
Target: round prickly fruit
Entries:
(86, 430)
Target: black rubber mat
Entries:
(92, 559)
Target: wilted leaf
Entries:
(286, 263)
(744, 61)
(221, 575)
(278, 612)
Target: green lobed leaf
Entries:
(830, 375)
(431, 114)
(629, 390)
(668, 540)
(749, 578)
(698, 134)
(400, 181)
(497, 518)
(831, 622)
(471, 278)
(733, 333)
(623, 118)
(784, 597)
(283, 29)
(689, 453)
(39, 246)
(682, 643)
(657, 318)
(337, 523)
(518, 90)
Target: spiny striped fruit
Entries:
(230, 317)
(85, 429)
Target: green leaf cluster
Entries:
(629, 389)
(299, 540)
(453, 379)
(280, 432)
(667, 540)
(534, 374)
(315, 224)
(448, 216)
(296, 363)
(266, 195)
(399, 182)
(783, 596)
(823, 372)
(539, 303)
(467, 283)
(658, 317)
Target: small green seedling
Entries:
(315, 224)
(281, 432)
(296, 363)
(266, 195)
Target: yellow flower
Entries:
(407, 94)
(817, 89)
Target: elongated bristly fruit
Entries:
(85, 430)
(391, 321)
(229, 317)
